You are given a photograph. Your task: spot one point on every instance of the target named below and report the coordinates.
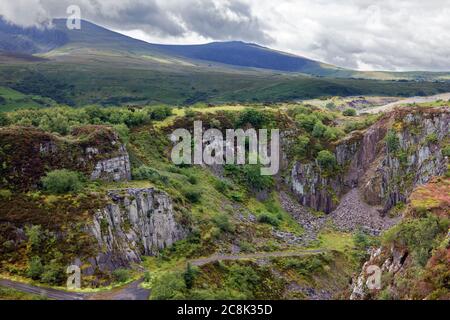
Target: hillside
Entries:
(123, 202)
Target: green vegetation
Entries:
(349, 112)
(327, 160)
(62, 181)
(420, 236)
(121, 275)
(392, 141)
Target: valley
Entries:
(222, 231)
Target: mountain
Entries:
(235, 53)
(243, 54)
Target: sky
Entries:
(397, 35)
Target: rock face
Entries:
(384, 177)
(137, 223)
(29, 153)
(114, 169)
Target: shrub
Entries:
(62, 181)
(123, 131)
(327, 160)
(300, 147)
(5, 194)
(4, 121)
(221, 186)
(392, 141)
(144, 173)
(349, 112)
(223, 223)
(53, 273)
(35, 268)
(268, 219)
(330, 106)
(192, 195)
(419, 235)
(257, 119)
(168, 286)
(121, 275)
(243, 278)
(319, 130)
(432, 138)
(192, 179)
(254, 180)
(446, 151)
(189, 276)
(160, 113)
(2, 100)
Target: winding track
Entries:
(133, 291)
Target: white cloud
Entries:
(383, 35)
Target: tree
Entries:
(35, 268)
(189, 276)
(349, 112)
(326, 160)
(62, 181)
(4, 121)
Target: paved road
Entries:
(131, 291)
(390, 106)
(203, 261)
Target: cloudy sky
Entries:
(395, 35)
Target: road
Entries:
(131, 291)
(203, 261)
(390, 106)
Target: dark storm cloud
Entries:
(220, 20)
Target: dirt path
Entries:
(203, 261)
(390, 106)
(131, 291)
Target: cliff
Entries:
(136, 223)
(367, 161)
(28, 153)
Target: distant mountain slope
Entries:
(243, 54)
(29, 40)
(235, 53)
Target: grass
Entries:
(11, 294)
(14, 100)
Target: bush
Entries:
(121, 275)
(144, 173)
(189, 276)
(446, 151)
(257, 119)
(4, 121)
(160, 113)
(62, 181)
(432, 138)
(420, 236)
(268, 219)
(349, 112)
(2, 101)
(223, 223)
(244, 279)
(5, 194)
(330, 106)
(193, 196)
(221, 186)
(254, 180)
(53, 273)
(319, 130)
(169, 286)
(35, 268)
(327, 160)
(392, 141)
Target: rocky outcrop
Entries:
(384, 177)
(114, 169)
(29, 153)
(137, 222)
